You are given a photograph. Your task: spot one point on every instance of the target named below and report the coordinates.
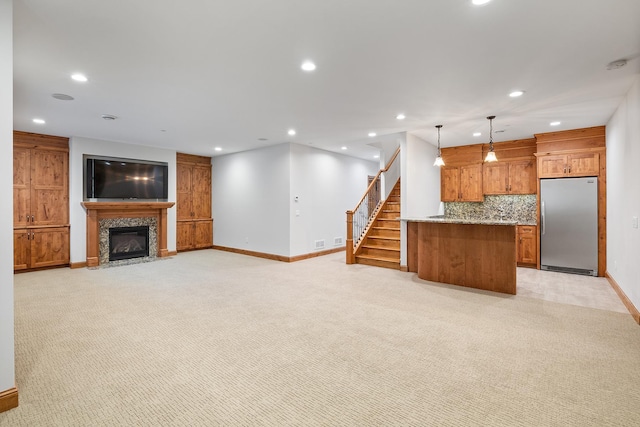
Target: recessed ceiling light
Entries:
(480, 2)
(308, 66)
(291, 132)
(376, 156)
(344, 148)
(62, 97)
(39, 121)
(516, 93)
(218, 149)
(477, 134)
(372, 134)
(79, 77)
(555, 123)
(401, 116)
(109, 117)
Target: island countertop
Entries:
(446, 220)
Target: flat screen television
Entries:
(116, 179)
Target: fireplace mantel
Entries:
(100, 210)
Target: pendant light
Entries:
(439, 161)
(491, 155)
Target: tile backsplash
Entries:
(521, 208)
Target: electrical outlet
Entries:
(634, 222)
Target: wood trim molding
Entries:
(36, 140)
(74, 265)
(8, 399)
(192, 158)
(623, 297)
(278, 257)
(172, 253)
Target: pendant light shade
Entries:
(439, 161)
(491, 155)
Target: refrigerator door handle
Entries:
(542, 217)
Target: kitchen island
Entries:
(478, 254)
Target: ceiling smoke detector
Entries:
(109, 117)
(616, 64)
(62, 97)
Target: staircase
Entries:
(381, 245)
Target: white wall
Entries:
(254, 205)
(250, 200)
(623, 195)
(7, 361)
(77, 215)
(420, 179)
(327, 185)
(420, 185)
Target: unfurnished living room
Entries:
(320, 213)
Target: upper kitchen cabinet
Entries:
(461, 178)
(515, 170)
(461, 183)
(567, 165)
(509, 177)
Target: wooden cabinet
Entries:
(566, 165)
(194, 234)
(512, 177)
(194, 222)
(527, 245)
(40, 247)
(40, 201)
(461, 183)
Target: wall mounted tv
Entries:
(116, 179)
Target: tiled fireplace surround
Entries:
(103, 215)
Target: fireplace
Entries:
(128, 242)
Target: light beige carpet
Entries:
(212, 338)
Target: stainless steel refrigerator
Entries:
(569, 225)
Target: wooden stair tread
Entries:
(384, 238)
(378, 258)
(384, 248)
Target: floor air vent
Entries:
(320, 244)
(570, 270)
(337, 241)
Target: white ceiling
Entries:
(193, 75)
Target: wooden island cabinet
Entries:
(477, 254)
(40, 201)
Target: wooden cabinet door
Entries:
(471, 183)
(449, 184)
(201, 191)
(552, 166)
(203, 234)
(21, 249)
(21, 187)
(527, 245)
(49, 246)
(185, 235)
(495, 178)
(183, 191)
(522, 177)
(583, 164)
(49, 187)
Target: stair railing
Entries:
(360, 219)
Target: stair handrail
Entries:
(362, 221)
